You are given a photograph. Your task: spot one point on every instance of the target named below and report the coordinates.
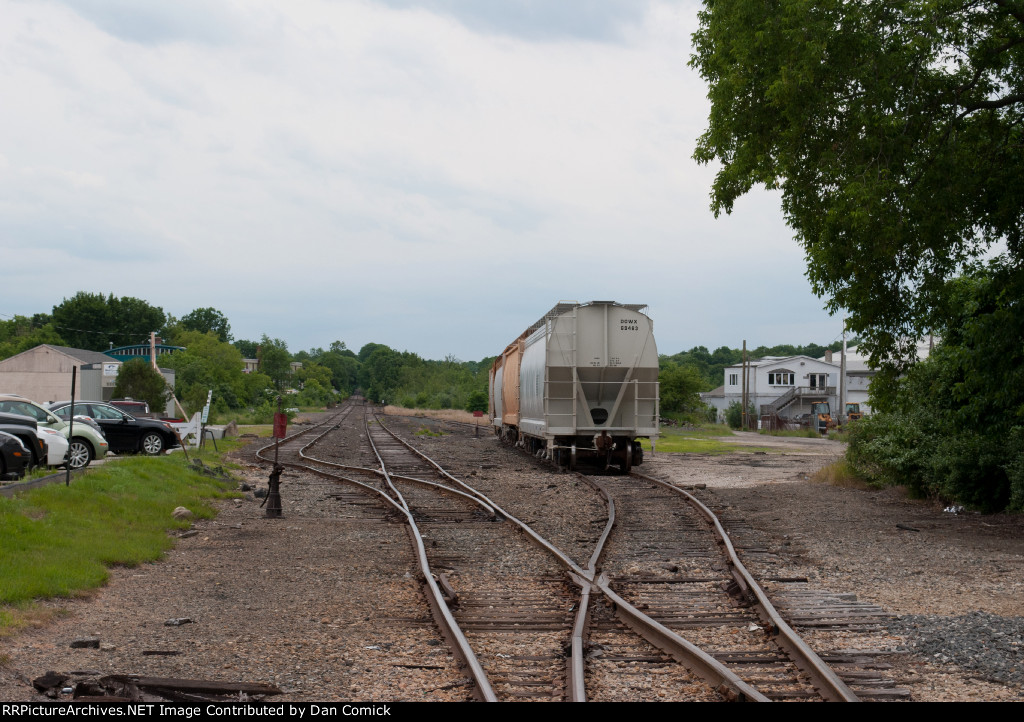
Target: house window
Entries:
(734, 379)
(780, 378)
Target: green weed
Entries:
(840, 473)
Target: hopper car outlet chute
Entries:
(581, 372)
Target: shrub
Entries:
(734, 415)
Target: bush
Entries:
(924, 447)
(950, 427)
(734, 415)
(477, 401)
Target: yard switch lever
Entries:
(273, 499)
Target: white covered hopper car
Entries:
(583, 374)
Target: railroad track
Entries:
(512, 627)
(661, 559)
(628, 648)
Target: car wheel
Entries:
(152, 444)
(79, 454)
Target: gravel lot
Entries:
(299, 603)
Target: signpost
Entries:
(205, 418)
(71, 425)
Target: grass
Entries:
(424, 431)
(697, 440)
(261, 430)
(59, 541)
(839, 473)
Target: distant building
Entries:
(142, 350)
(787, 386)
(43, 374)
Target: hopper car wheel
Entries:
(627, 458)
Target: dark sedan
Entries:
(15, 459)
(24, 429)
(124, 432)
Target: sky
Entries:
(433, 175)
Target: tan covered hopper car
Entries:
(581, 382)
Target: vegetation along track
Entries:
(514, 606)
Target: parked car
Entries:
(14, 457)
(24, 428)
(124, 432)
(56, 446)
(87, 444)
(138, 409)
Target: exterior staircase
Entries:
(797, 392)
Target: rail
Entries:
(824, 678)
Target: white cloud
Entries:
(285, 163)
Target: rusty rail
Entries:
(442, 614)
(694, 659)
(824, 678)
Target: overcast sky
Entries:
(433, 175)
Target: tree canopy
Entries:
(136, 379)
(893, 130)
(275, 361)
(208, 319)
(22, 333)
(94, 321)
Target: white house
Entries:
(783, 386)
(787, 386)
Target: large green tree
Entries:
(894, 131)
(209, 364)
(679, 388)
(22, 333)
(275, 361)
(208, 319)
(136, 379)
(94, 321)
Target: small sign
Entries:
(206, 414)
(280, 425)
(110, 369)
(478, 414)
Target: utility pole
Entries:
(746, 388)
(842, 380)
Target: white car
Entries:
(56, 446)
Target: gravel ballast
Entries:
(321, 603)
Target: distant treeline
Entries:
(213, 360)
